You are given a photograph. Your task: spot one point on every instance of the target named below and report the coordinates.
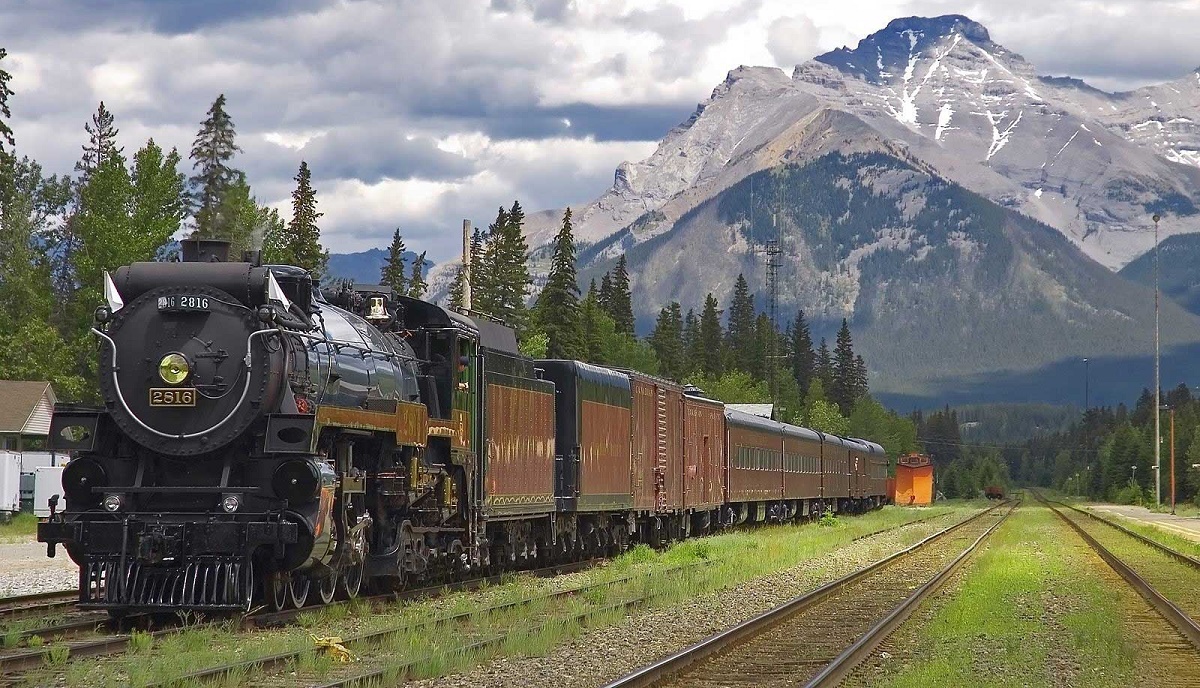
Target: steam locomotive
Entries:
(262, 442)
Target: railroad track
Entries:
(37, 604)
(1165, 578)
(816, 639)
(109, 642)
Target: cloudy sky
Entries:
(418, 113)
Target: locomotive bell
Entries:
(377, 311)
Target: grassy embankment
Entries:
(1030, 610)
(416, 648)
(22, 528)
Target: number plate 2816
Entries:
(168, 396)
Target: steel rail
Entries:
(25, 606)
(841, 667)
(673, 665)
(1174, 553)
(1166, 608)
(273, 661)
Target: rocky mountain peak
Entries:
(890, 52)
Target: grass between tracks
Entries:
(419, 646)
(1029, 611)
(1159, 535)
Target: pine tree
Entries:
(300, 243)
(667, 341)
(693, 352)
(102, 142)
(558, 304)
(507, 273)
(712, 360)
(760, 361)
(6, 132)
(621, 300)
(484, 249)
(416, 280)
(454, 300)
(802, 354)
(861, 383)
(824, 367)
(590, 316)
(740, 336)
(605, 296)
(392, 272)
(845, 374)
(211, 152)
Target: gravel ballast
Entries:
(605, 654)
(25, 569)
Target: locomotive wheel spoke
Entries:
(327, 586)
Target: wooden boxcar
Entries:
(703, 457)
(754, 471)
(835, 472)
(519, 437)
(658, 445)
(592, 454)
(801, 468)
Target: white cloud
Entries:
(792, 40)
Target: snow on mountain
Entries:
(1092, 165)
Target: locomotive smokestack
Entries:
(466, 269)
(204, 250)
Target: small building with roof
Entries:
(25, 411)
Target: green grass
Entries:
(414, 646)
(1029, 612)
(1162, 537)
(22, 528)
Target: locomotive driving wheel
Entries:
(327, 586)
(351, 578)
(298, 586)
(277, 590)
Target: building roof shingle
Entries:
(18, 401)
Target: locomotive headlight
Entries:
(173, 368)
(112, 503)
(230, 503)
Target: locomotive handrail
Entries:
(121, 396)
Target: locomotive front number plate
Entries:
(183, 303)
(169, 396)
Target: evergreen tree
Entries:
(763, 344)
(392, 272)
(621, 300)
(102, 142)
(803, 358)
(484, 261)
(416, 280)
(667, 341)
(6, 132)
(212, 151)
(693, 352)
(845, 372)
(824, 368)
(454, 300)
(591, 316)
(861, 383)
(712, 359)
(740, 336)
(300, 243)
(558, 304)
(507, 273)
(605, 296)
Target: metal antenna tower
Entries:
(773, 248)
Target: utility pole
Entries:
(1157, 384)
(1086, 382)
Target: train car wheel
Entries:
(326, 587)
(276, 587)
(298, 589)
(247, 583)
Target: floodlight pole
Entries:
(1157, 384)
